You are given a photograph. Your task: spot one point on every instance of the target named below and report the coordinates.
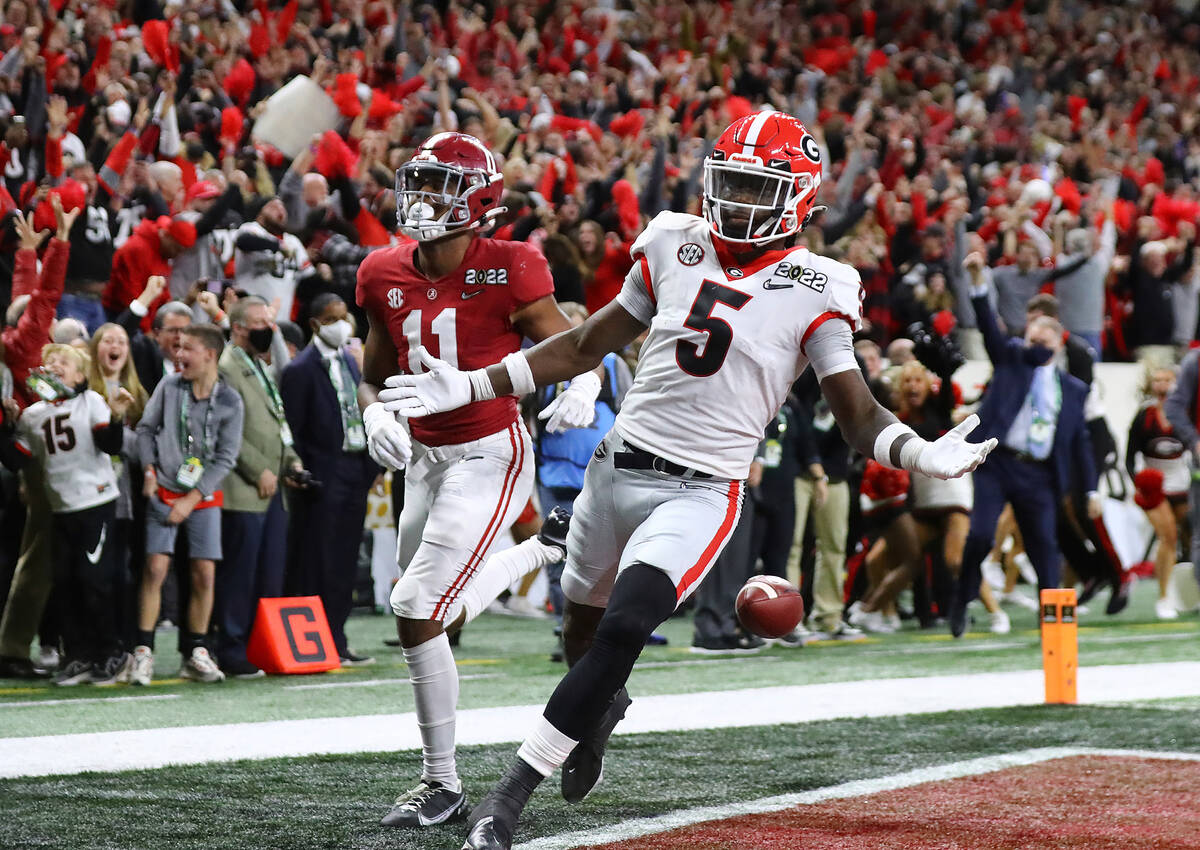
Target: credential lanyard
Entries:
(267, 383)
(186, 438)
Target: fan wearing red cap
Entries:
(204, 210)
(148, 251)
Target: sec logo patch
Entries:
(395, 298)
(690, 253)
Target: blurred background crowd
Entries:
(1047, 148)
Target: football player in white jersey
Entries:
(736, 312)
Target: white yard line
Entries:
(150, 748)
(374, 683)
(857, 788)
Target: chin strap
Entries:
(814, 211)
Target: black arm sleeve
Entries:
(109, 437)
(1068, 268)
(208, 222)
(131, 322)
(652, 201)
(1180, 267)
(12, 457)
(524, 227)
(248, 242)
(155, 205)
(348, 195)
(1137, 436)
(835, 230)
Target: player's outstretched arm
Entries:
(575, 407)
(876, 433)
(559, 358)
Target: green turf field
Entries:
(335, 801)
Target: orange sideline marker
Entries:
(291, 635)
(1060, 645)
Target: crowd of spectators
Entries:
(1041, 145)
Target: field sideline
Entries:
(767, 727)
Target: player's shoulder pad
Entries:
(664, 222)
(843, 291)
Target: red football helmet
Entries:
(761, 179)
(452, 183)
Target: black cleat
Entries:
(12, 667)
(491, 825)
(958, 618)
(428, 804)
(1120, 594)
(585, 765)
(554, 529)
(1089, 589)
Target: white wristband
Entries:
(481, 385)
(519, 373)
(884, 441)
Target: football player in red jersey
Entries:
(470, 301)
(736, 311)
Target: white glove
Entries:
(574, 407)
(440, 389)
(388, 442)
(950, 455)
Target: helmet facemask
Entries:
(753, 204)
(432, 199)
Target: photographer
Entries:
(253, 523)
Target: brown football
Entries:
(769, 606)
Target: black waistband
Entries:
(1024, 457)
(634, 458)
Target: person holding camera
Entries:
(253, 539)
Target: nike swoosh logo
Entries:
(768, 285)
(467, 295)
(94, 556)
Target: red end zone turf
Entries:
(1083, 802)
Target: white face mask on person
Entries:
(336, 334)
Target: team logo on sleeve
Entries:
(690, 253)
(395, 298)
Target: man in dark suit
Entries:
(319, 389)
(1036, 412)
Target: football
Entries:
(769, 606)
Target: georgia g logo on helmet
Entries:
(451, 184)
(761, 179)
